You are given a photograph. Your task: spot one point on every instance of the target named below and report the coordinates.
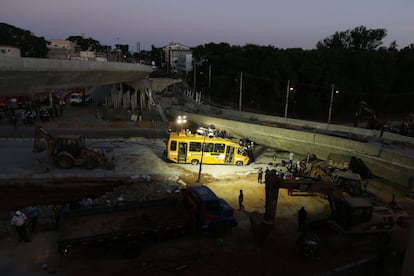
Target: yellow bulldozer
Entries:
(68, 151)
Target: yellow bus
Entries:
(187, 148)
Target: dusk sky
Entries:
(280, 23)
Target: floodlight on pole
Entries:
(182, 119)
(240, 90)
(288, 89)
(331, 102)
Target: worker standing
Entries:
(19, 221)
(241, 199)
(32, 214)
(260, 176)
(291, 157)
(267, 172)
(302, 219)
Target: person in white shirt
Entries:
(19, 221)
(87, 202)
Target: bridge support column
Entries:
(134, 99)
(141, 100)
(50, 99)
(262, 225)
(126, 100)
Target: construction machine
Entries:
(348, 215)
(364, 110)
(67, 151)
(129, 223)
(346, 187)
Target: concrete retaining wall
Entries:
(268, 119)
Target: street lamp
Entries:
(241, 90)
(330, 104)
(195, 76)
(288, 89)
(181, 120)
(209, 76)
(118, 51)
(240, 83)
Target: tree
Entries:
(29, 44)
(380, 76)
(86, 44)
(156, 56)
(359, 38)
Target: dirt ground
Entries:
(236, 253)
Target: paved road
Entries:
(83, 121)
(8, 131)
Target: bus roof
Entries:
(196, 137)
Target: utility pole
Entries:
(195, 74)
(169, 60)
(209, 76)
(287, 98)
(118, 50)
(331, 102)
(202, 155)
(241, 90)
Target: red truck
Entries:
(196, 208)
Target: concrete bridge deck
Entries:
(25, 76)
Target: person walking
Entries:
(241, 199)
(302, 219)
(19, 221)
(267, 172)
(291, 157)
(32, 215)
(86, 202)
(14, 119)
(260, 176)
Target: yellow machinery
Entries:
(68, 151)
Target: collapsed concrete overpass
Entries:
(395, 164)
(26, 76)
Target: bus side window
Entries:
(173, 146)
(219, 148)
(195, 146)
(208, 147)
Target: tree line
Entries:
(353, 62)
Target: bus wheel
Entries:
(239, 163)
(194, 162)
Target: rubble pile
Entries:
(141, 191)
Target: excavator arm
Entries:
(42, 141)
(309, 184)
(351, 214)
